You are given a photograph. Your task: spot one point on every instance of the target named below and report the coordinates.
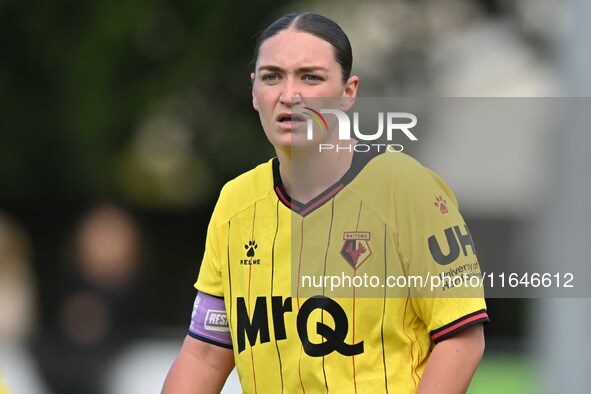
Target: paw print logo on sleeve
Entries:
(441, 203)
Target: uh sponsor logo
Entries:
(455, 238)
(394, 121)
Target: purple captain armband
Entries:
(209, 322)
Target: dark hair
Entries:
(317, 25)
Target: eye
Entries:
(270, 77)
(312, 78)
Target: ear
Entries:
(349, 92)
(255, 104)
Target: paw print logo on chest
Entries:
(250, 248)
(441, 203)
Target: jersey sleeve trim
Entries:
(458, 325)
(210, 341)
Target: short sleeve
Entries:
(436, 245)
(210, 279)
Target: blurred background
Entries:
(121, 120)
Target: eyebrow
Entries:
(299, 70)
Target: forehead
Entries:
(290, 49)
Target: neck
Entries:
(306, 175)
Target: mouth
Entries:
(290, 120)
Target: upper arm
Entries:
(453, 362)
(200, 367)
(213, 356)
(471, 338)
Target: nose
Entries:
(290, 94)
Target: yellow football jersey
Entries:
(274, 261)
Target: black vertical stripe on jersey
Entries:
(384, 308)
(229, 276)
(254, 376)
(273, 285)
(323, 288)
(298, 301)
(359, 161)
(354, 303)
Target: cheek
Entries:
(264, 103)
(265, 113)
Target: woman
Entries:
(326, 213)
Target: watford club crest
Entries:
(356, 248)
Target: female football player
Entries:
(346, 213)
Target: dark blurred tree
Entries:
(78, 78)
(79, 81)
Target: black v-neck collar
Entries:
(360, 159)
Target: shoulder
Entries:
(244, 191)
(397, 165)
(398, 169)
(398, 177)
(422, 181)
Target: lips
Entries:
(290, 117)
(288, 121)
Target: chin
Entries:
(292, 141)
(279, 138)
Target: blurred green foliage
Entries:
(78, 79)
(505, 373)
